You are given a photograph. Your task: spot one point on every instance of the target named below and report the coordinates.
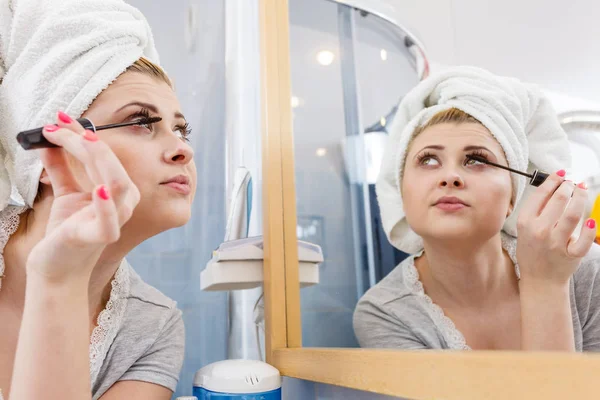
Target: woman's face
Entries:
(151, 155)
(447, 196)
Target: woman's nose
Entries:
(181, 154)
(453, 180)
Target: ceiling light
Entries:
(295, 102)
(325, 57)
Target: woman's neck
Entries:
(467, 275)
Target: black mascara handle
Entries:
(538, 178)
(34, 139)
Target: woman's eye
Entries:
(429, 161)
(147, 126)
(471, 162)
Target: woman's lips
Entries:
(182, 188)
(450, 206)
(450, 203)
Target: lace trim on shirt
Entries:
(9, 222)
(109, 320)
(454, 338)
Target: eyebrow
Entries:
(150, 107)
(466, 148)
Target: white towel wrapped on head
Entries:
(518, 115)
(58, 55)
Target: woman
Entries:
(77, 321)
(474, 281)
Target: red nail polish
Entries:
(590, 223)
(103, 193)
(64, 118)
(582, 185)
(50, 128)
(91, 136)
(561, 173)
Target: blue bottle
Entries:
(238, 380)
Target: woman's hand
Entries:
(81, 222)
(547, 251)
(548, 254)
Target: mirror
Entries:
(350, 69)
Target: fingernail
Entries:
(91, 136)
(590, 223)
(103, 193)
(64, 118)
(561, 173)
(50, 128)
(582, 185)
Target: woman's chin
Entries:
(459, 232)
(158, 219)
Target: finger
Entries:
(110, 170)
(540, 196)
(72, 143)
(67, 122)
(556, 205)
(125, 210)
(580, 247)
(57, 166)
(98, 159)
(104, 228)
(572, 214)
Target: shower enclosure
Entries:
(351, 65)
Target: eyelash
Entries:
(426, 155)
(144, 113)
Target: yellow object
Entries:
(595, 214)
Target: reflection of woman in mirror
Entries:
(470, 283)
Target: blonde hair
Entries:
(450, 116)
(147, 67)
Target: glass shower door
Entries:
(349, 71)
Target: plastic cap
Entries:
(238, 376)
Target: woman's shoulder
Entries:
(148, 313)
(149, 343)
(145, 295)
(586, 285)
(400, 285)
(588, 269)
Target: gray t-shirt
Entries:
(149, 343)
(396, 313)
